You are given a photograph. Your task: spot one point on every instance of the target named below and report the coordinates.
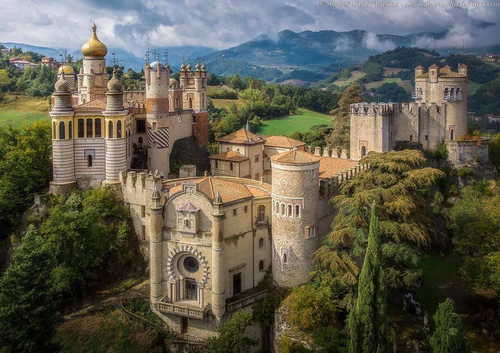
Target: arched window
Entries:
(458, 94)
(119, 129)
(411, 138)
(81, 128)
(110, 128)
(140, 142)
(261, 214)
(98, 128)
(190, 103)
(363, 151)
(452, 134)
(231, 166)
(62, 131)
(89, 161)
(289, 213)
(54, 130)
(452, 93)
(297, 211)
(261, 265)
(70, 130)
(90, 130)
(285, 259)
(282, 209)
(261, 243)
(177, 103)
(446, 93)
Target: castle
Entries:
(210, 240)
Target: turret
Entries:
(157, 116)
(63, 158)
(155, 243)
(295, 182)
(218, 283)
(116, 137)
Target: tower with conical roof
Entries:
(93, 78)
(63, 157)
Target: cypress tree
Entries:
(449, 336)
(368, 320)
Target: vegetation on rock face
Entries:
(449, 336)
(368, 319)
(25, 168)
(475, 222)
(231, 335)
(399, 182)
(85, 240)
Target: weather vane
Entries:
(114, 61)
(147, 55)
(165, 56)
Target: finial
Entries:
(218, 198)
(94, 27)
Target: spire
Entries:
(248, 126)
(218, 198)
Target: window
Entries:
(235, 212)
(216, 164)
(54, 130)
(141, 126)
(190, 103)
(282, 209)
(411, 138)
(261, 265)
(231, 166)
(261, 213)
(363, 151)
(98, 128)
(245, 209)
(184, 324)
(119, 129)
(89, 161)
(310, 232)
(70, 130)
(289, 211)
(261, 243)
(110, 132)
(257, 159)
(90, 129)
(285, 259)
(452, 133)
(140, 142)
(143, 211)
(62, 131)
(237, 284)
(187, 223)
(81, 126)
(297, 211)
(426, 137)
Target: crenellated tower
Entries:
(157, 116)
(63, 156)
(195, 87)
(116, 135)
(93, 78)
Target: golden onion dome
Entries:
(203, 67)
(197, 67)
(94, 47)
(65, 69)
(188, 67)
(114, 84)
(61, 84)
(183, 66)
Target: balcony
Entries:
(247, 299)
(262, 221)
(184, 309)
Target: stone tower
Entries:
(155, 242)
(218, 285)
(115, 118)
(446, 88)
(157, 116)
(195, 87)
(62, 138)
(295, 193)
(93, 78)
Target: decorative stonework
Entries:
(191, 250)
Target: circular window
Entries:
(191, 264)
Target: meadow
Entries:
(300, 122)
(18, 110)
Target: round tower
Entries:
(157, 116)
(115, 119)
(295, 182)
(63, 153)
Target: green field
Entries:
(301, 122)
(19, 110)
(227, 103)
(355, 75)
(472, 87)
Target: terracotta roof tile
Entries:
(229, 156)
(93, 105)
(282, 141)
(241, 136)
(295, 157)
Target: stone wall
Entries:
(467, 151)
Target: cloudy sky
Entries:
(136, 24)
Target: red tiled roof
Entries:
(229, 156)
(93, 105)
(282, 141)
(241, 136)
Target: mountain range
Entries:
(288, 55)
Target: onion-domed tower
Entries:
(63, 157)
(69, 75)
(93, 77)
(115, 117)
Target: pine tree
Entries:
(449, 336)
(368, 321)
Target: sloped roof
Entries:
(230, 189)
(282, 141)
(230, 156)
(188, 207)
(241, 136)
(92, 106)
(295, 157)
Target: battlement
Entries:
(430, 108)
(373, 108)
